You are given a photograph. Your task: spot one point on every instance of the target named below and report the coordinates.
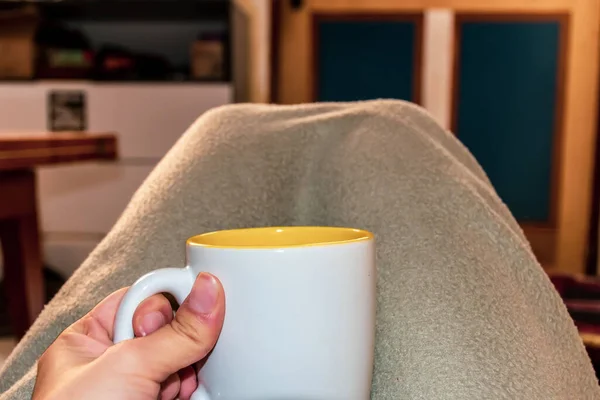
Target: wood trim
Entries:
(36, 139)
(594, 229)
(22, 199)
(19, 237)
(30, 152)
(514, 6)
(577, 149)
(294, 61)
(592, 259)
(86, 150)
(316, 48)
(559, 116)
(455, 74)
(558, 128)
(242, 51)
(469, 16)
(276, 9)
(418, 58)
(543, 244)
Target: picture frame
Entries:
(67, 110)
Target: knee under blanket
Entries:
(464, 309)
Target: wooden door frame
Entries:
(594, 230)
(580, 96)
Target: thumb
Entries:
(187, 339)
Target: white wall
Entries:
(259, 12)
(79, 203)
(438, 53)
(263, 48)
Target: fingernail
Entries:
(152, 322)
(203, 298)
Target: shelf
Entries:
(120, 81)
(130, 10)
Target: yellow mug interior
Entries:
(279, 237)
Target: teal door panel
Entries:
(506, 108)
(361, 60)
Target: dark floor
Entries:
(53, 284)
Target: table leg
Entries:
(19, 236)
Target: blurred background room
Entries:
(94, 92)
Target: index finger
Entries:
(99, 322)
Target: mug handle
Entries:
(176, 281)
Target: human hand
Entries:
(83, 362)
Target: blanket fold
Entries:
(464, 309)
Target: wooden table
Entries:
(19, 231)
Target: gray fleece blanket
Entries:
(464, 309)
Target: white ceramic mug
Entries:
(300, 311)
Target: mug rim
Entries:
(298, 237)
